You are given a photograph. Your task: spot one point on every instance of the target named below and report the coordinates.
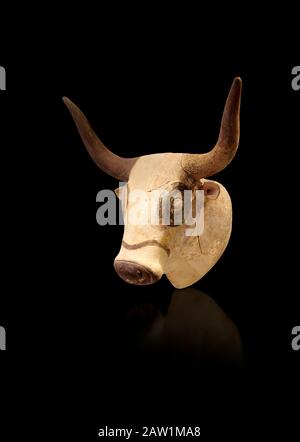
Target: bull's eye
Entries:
(171, 209)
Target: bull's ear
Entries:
(211, 190)
(117, 191)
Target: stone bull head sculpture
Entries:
(149, 251)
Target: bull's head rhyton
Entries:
(150, 250)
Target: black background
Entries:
(152, 86)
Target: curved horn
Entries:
(205, 165)
(110, 163)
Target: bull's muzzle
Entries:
(135, 273)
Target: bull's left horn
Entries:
(208, 164)
(110, 163)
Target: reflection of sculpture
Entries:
(150, 251)
(193, 328)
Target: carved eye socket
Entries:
(171, 209)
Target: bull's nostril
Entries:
(135, 273)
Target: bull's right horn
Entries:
(110, 163)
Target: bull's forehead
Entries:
(154, 171)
